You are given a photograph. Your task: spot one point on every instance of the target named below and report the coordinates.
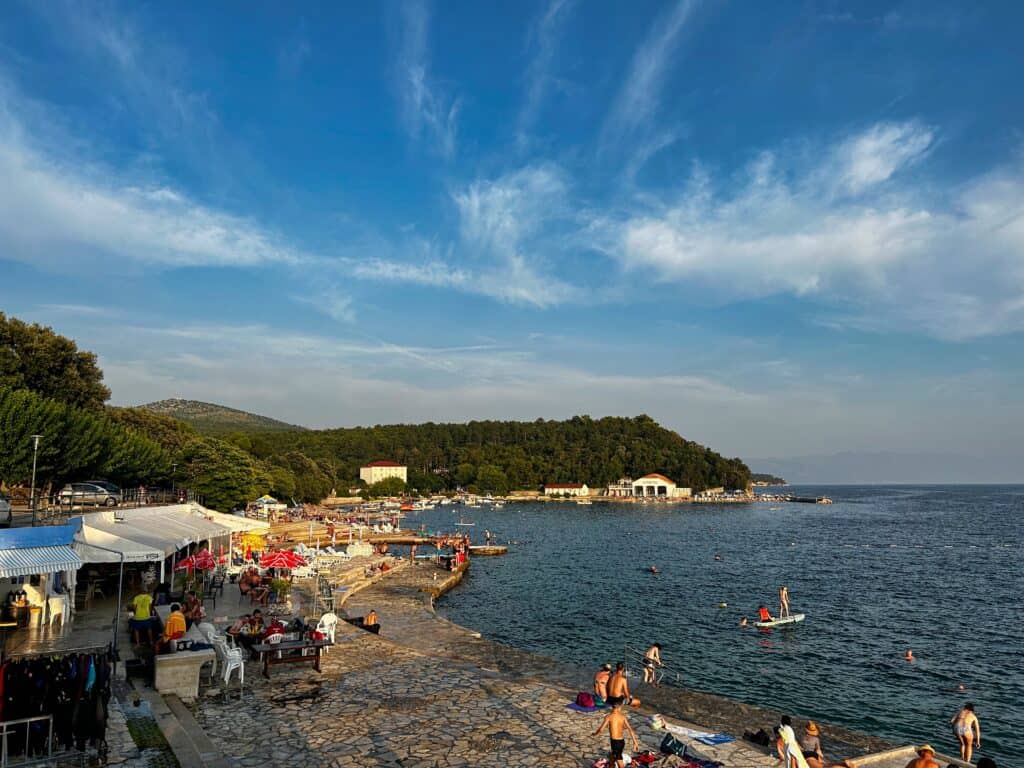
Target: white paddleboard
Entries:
(795, 618)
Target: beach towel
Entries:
(577, 708)
(704, 737)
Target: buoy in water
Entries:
(723, 605)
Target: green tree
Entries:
(222, 473)
(33, 357)
(389, 486)
(492, 479)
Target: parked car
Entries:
(6, 515)
(105, 484)
(81, 494)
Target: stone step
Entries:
(191, 746)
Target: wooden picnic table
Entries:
(267, 653)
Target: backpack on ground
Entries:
(584, 699)
(670, 745)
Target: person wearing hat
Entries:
(810, 745)
(925, 758)
(601, 681)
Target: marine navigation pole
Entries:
(35, 455)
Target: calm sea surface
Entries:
(937, 569)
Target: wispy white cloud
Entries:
(60, 214)
(640, 95)
(425, 106)
(542, 46)
(848, 231)
(330, 302)
(505, 228)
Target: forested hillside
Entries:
(501, 455)
(83, 439)
(212, 419)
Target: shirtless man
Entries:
(618, 688)
(925, 758)
(967, 729)
(601, 680)
(652, 659)
(617, 725)
(783, 601)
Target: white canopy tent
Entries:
(133, 551)
(138, 533)
(234, 523)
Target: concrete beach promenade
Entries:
(426, 692)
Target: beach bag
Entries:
(670, 745)
(584, 699)
(598, 701)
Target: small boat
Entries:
(794, 619)
(463, 522)
(584, 502)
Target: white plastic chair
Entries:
(327, 625)
(233, 660)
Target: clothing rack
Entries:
(58, 652)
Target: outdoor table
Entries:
(267, 652)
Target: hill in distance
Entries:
(213, 419)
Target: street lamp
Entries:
(35, 455)
(174, 470)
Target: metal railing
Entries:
(52, 509)
(32, 751)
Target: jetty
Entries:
(488, 549)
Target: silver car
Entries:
(6, 515)
(82, 494)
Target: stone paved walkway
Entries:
(442, 698)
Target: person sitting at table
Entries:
(174, 627)
(243, 584)
(236, 629)
(259, 593)
(193, 609)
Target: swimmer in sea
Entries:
(743, 621)
(717, 556)
(909, 655)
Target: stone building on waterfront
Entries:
(652, 486)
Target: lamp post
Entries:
(174, 470)
(35, 455)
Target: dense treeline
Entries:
(75, 444)
(501, 455)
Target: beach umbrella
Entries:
(282, 558)
(201, 561)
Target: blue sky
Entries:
(781, 229)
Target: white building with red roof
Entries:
(376, 471)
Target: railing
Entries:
(52, 510)
(32, 752)
(634, 660)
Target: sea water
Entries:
(935, 568)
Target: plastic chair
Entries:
(326, 626)
(233, 660)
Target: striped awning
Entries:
(25, 561)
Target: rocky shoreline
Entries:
(715, 713)
(428, 693)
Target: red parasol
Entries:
(201, 560)
(282, 558)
